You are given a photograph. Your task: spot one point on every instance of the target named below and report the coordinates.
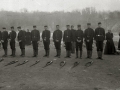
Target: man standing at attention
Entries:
(67, 38)
(99, 37)
(21, 40)
(4, 40)
(57, 36)
(79, 41)
(35, 37)
(89, 36)
(46, 41)
(12, 37)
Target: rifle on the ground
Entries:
(62, 64)
(24, 62)
(76, 64)
(35, 63)
(89, 63)
(1, 59)
(12, 62)
(48, 63)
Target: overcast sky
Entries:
(58, 5)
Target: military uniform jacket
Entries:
(67, 37)
(89, 34)
(79, 35)
(57, 35)
(99, 34)
(4, 36)
(12, 35)
(46, 36)
(22, 35)
(35, 35)
(73, 35)
(0, 35)
(109, 36)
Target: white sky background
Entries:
(58, 5)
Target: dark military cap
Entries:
(45, 26)
(88, 23)
(67, 25)
(57, 25)
(12, 27)
(99, 23)
(79, 25)
(19, 27)
(34, 26)
(72, 26)
(4, 28)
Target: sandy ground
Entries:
(102, 75)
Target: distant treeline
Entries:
(110, 20)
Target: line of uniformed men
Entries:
(72, 39)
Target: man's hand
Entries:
(2, 41)
(57, 40)
(88, 40)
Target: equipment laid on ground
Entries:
(62, 64)
(76, 64)
(12, 62)
(35, 63)
(48, 63)
(1, 59)
(24, 62)
(89, 63)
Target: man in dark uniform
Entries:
(99, 37)
(21, 40)
(12, 37)
(57, 36)
(35, 38)
(89, 36)
(28, 37)
(67, 38)
(79, 41)
(0, 39)
(46, 40)
(73, 39)
(4, 41)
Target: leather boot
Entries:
(12, 53)
(87, 54)
(80, 54)
(69, 54)
(23, 51)
(57, 53)
(36, 52)
(90, 55)
(48, 51)
(45, 53)
(5, 55)
(33, 53)
(66, 54)
(76, 54)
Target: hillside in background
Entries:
(110, 20)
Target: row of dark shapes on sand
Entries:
(62, 63)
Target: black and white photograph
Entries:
(59, 44)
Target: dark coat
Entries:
(22, 35)
(73, 35)
(89, 34)
(67, 37)
(119, 43)
(109, 47)
(57, 35)
(5, 36)
(99, 34)
(46, 36)
(79, 35)
(12, 35)
(35, 35)
(0, 35)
